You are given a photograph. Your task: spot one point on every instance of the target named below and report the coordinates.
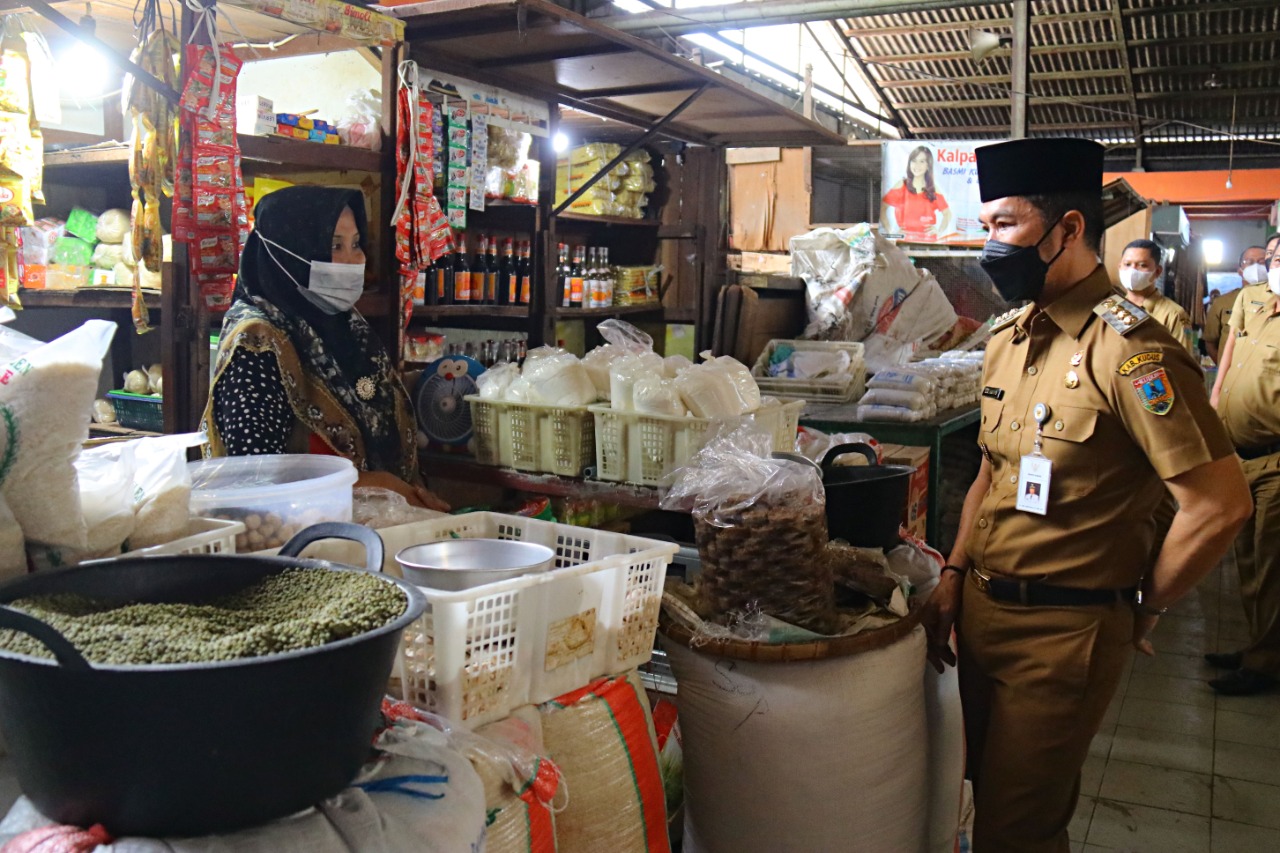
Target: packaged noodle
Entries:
(15, 201)
(15, 78)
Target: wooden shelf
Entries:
(255, 151)
(612, 311)
(449, 466)
(106, 155)
(520, 312)
(292, 153)
(610, 220)
(88, 297)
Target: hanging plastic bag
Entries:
(761, 528)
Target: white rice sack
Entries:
(123, 275)
(105, 476)
(891, 397)
(162, 493)
(129, 260)
(107, 255)
(655, 395)
(113, 225)
(888, 413)
(902, 380)
(13, 555)
(46, 398)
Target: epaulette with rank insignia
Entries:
(1120, 314)
(1008, 318)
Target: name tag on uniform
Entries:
(1033, 484)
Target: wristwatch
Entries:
(950, 568)
(1146, 609)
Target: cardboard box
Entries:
(915, 515)
(761, 262)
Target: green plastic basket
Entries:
(138, 411)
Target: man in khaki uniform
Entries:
(1216, 316)
(1140, 273)
(1247, 395)
(1087, 396)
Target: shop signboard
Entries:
(930, 191)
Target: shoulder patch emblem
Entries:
(1007, 319)
(1154, 391)
(1120, 314)
(1138, 361)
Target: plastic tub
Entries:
(275, 496)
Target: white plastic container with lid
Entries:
(274, 496)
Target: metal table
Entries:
(928, 433)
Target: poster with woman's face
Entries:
(930, 192)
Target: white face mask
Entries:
(1273, 280)
(1254, 274)
(1136, 280)
(333, 288)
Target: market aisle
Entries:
(1175, 768)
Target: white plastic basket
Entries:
(480, 653)
(531, 437)
(641, 448)
(204, 536)
(842, 390)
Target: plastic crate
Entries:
(204, 536)
(530, 437)
(480, 653)
(844, 390)
(640, 448)
(138, 411)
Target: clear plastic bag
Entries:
(162, 497)
(361, 126)
(761, 527)
(625, 336)
(559, 379)
(494, 383)
(378, 508)
(105, 476)
(625, 372)
(715, 390)
(654, 394)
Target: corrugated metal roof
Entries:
(1173, 71)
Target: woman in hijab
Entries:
(298, 369)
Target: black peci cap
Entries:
(1039, 167)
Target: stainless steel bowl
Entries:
(458, 564)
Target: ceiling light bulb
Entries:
(560, 143)
(83, 70)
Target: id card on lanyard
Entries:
(1035, 471)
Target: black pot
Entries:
(192, 749)
(865, 503)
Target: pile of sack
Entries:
(920, 390)
(623, 192)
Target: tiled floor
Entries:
(1176, 768)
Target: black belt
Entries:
(1037, 594)
(1258, 452)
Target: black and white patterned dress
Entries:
(250, 406)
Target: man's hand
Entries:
(939, 616)
(1143, 625)
(430, 500)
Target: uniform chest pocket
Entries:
(1270, 358)
(1075, 464)
(992, 410)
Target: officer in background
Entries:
(1140, 274)
(1101, 407)
(1247, 395)
(1252, 270)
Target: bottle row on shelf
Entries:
(484, 279)
(585, 277)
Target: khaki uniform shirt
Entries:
(1169, 314)
(1126, 412)
(1247, 299)
(1250, 399)
(1217, 315)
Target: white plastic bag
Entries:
(162, 494)
(597, 364)
(625, 336)
(674, 365)
(106, 477)
(361, 125)
(559, 380)
(740, 375)
(112, 226)
(890, 397)
(494, 382)
(711, 390)
(655, 395)
(625, 372)
(46, 398)
(888, 413)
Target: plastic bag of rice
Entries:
(46, 397)
(602, 739)
(13, 555)
(162, 499)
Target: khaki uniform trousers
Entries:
(1257, 553)
(1035, 683)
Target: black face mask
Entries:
(1018, 272)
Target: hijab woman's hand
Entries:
(415, 495)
